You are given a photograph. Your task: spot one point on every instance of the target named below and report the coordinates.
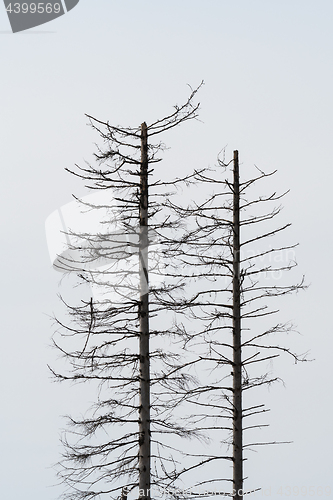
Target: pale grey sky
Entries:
(267, 66)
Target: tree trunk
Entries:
(144, 410)
(237, 354)
(124, 493)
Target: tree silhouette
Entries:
(134, 360)
(233, 274)
(176, 330)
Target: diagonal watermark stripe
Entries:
(24, 15)
(86, 237)
(70, 4)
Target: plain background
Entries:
(267, 67)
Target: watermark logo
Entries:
(86, 237)
(25, 15)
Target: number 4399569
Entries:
(33, 8)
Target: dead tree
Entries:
(139, 374)
(225, 256)
(176, 357)
(144, 350)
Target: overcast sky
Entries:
(267, 67)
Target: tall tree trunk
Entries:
(144, 411)
(237, 354)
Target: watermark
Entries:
(194, 492)
(197, 492)
(24, 15)
(89, 237)
(295, 491)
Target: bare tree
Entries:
(227, 258)
(176, 356)
(124, 444)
